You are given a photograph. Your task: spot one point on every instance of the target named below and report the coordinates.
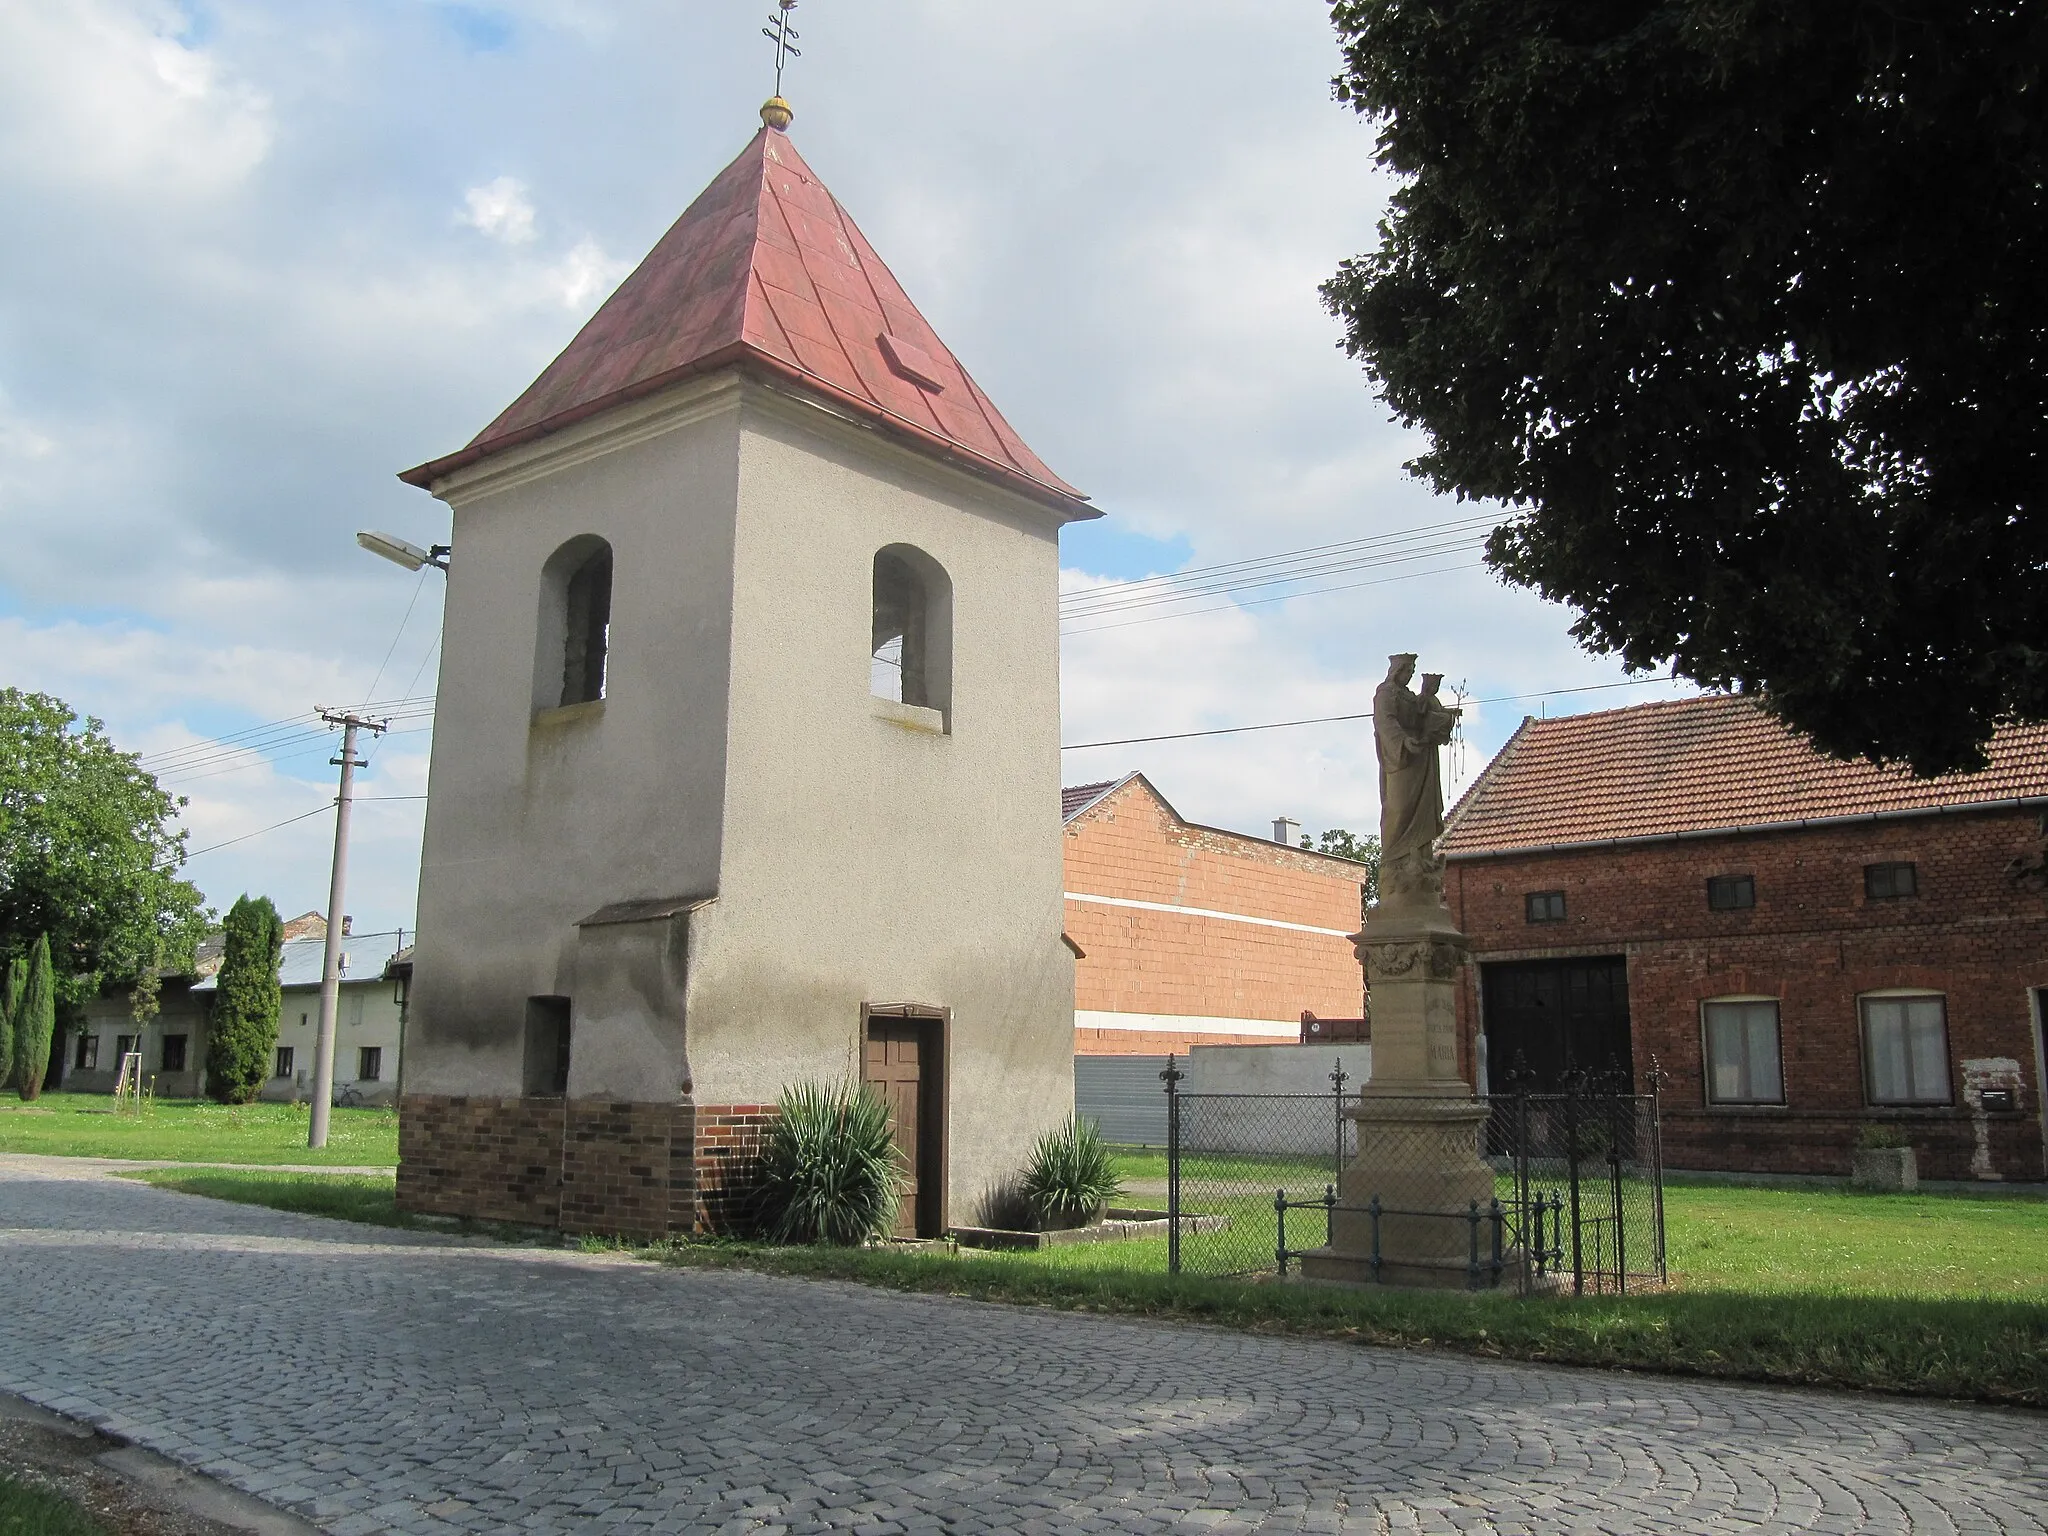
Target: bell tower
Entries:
(746, 758)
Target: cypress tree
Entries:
(36, 1022)
(10, 1014)
(243, 1031)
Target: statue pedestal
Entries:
(1419, 1126)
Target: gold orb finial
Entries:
(776, 114)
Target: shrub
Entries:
(243, 1033)
(830, 1171)
(1875, 1137)
(10, 1014)
(1070, 1179)
(36, 1022)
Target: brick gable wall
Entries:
(1977, 932)
(1130, 846)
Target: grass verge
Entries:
(198, 1131)
(31, 1511)
(369, 1198)
(1989, 1348)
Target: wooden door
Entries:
(902, 1064)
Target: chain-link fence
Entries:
(1559, 1190)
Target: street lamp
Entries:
(390, 546)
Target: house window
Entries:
(573, 638)
(174, 1053)
(911, 650)
(1888, 882)
(1743, 1064)
(369, 1063)
(547, 1047)
(1544, 906)
(1905, 1050)
(283, 1065)
(1731, 893)
(88, 1058)
(123, 1044)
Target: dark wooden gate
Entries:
(1553, 1015)
(904, 1062)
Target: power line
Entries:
(392, 649)
(1281, 725)
(1401, 556)
(1260, 602)
(186, 858)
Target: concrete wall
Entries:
(536, 820)
(868, 857)
(1815, 943)
(1275, 1068)
(108, 1017)
(1196, 936)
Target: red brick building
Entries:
(1190, 935)
(1805, 946)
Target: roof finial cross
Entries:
(783, 36)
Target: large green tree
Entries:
(35, 1022)
(1736, 306)
(88, 853)
(242, 1032)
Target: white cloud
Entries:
(586, 275)
(500, 209)
(106, 91)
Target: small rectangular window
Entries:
(1889, 882)
(88, 1058)
(174, 1053)
(1731, 893)
(123, 1045)
(1743, 1064)
(369, 1063)
(284, 1062)
(1544, 906)
(547, 1047)
(1905, 1050)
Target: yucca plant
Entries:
(830, 1172)
(1070, 1179)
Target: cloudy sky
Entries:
(259, 257)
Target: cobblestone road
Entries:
(378, 1382)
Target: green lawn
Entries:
(30, 1511)
(86, 1125)
(1928, 1294)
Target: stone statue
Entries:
(1407, 729)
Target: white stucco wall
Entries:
(866, 860)
(366, 1015)
(532, 825)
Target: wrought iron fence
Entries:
(1576, 1200)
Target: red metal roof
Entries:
(1695, 766)
(766, 268)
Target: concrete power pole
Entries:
(330, 969)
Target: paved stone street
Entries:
(376, 1381)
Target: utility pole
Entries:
(330, 969)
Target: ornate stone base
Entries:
(1419, 1157)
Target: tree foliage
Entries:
(1737, 305)
(35, 1022)
(242, 1032)
(87, 852)
(1340, 843)
(15, 983)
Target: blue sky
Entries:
(259, 257)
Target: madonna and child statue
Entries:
(1418, 1121)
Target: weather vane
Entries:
(783, 36)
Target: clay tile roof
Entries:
(1693, 766)
(765, 268)
(1076, 798)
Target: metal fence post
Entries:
(1572, 1084)
(1329, 1215)
(1280, 1227)
(1531, 1221)
(1374, 1208)
(1338, 1078)
(1472, 1264)
(1657, 1161)
(1172, 1076)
